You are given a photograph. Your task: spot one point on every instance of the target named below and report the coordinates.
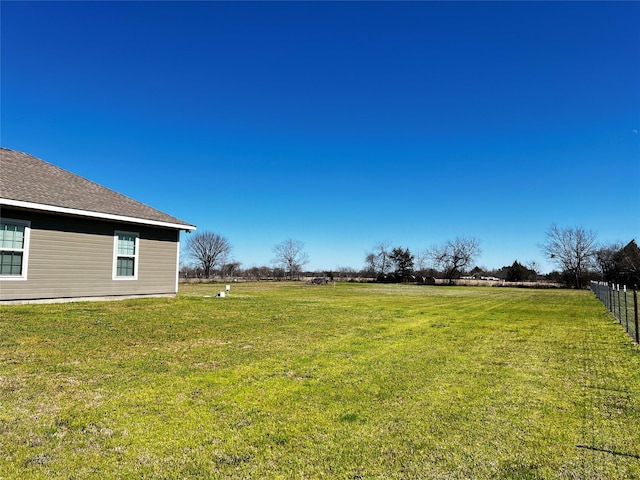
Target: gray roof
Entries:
(28, 182)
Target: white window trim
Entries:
(136, 256)
(25, 250)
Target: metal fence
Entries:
(622, 303)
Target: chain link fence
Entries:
(622, 303)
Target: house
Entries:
(64, 238)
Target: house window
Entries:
(14, 248)
(125, 256)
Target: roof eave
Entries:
(99, 215)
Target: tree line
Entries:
(581, 258)
(210, 255)
(574, 251)
(450, 260)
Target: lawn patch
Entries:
(284, 380)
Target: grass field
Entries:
(285, 380)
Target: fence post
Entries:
(626, 311)
(635, 313)
(619, 307)
(611, 298)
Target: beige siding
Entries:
(71, 257)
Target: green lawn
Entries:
(285, 380)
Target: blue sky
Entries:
(340, 124)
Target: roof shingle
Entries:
(25, 178)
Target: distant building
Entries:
(63, 238)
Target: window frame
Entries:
(135, 256)
(25, 249)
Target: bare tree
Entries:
(606, 257)
(257, 273)
(455, 256)
(572, 249)
(207, 249)
(230, 269)
(534, 267)
(421, 261)
(370, 264)
(379, 260)
(290, 256)
(345, 272)
(619, 263)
